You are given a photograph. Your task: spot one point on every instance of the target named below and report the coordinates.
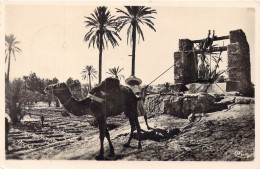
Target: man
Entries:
(140, 93)
(42, 119)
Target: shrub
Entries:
(15, 97)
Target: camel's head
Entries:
(57, 89)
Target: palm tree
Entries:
(90, 72)
(102, 29)
(115, 72)
(135, 16)
(10, 43)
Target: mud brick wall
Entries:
(239, 68)
(185, 64)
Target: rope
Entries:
(163, 73)
(64, 104)
(160, 75)
(95, 98)
(220, 87)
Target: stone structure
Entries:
(185, 63)
(183, 106)
(239, 69)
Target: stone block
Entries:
(238, 74)
(239, 68)
(178, 67)
(185, 64)
(190, 68)
(237, 36)
(231, 86)
(185, 44)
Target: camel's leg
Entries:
(102, 129)
(145, 118)
(131, 133)
(6, 141)
(112, 152)
(138, 132)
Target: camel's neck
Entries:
(76, 107)
(63, 97)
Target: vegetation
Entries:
(84, 90)
(134, 17)
(102, 30)
(21, 92)
(115, 72)
(206, 73)
(34, 83)
(15, 99)
(90, 72)
(11, 48)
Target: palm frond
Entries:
(10, 43)
(140, 32)
(136, 14)
(115, 72)
(101, 22)
(88, 70)
(123, 12)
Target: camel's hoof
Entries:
(126, 145)
(100, 157)
(149, 128)
(111, 155)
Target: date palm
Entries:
(11, 48)
(135, 16)
(102, 30)
(115, 71)
(90, 72)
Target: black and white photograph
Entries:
(117, 81)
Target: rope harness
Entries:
(67, 102)
(95, 98)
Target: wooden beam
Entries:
(214, 49)
(216, 39)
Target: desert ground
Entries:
(227, 135)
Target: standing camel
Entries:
(105, 100)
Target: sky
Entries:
(52, 39)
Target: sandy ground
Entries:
(227, 135)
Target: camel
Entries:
(107, 99)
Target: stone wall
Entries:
(178, 68)
(182, 106)
(239, 69)
(185, 64)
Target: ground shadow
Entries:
(158, 135)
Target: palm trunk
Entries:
(8, 69)
(133, 51)
(89, 81)
(100, 57)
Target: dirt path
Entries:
(224, 135)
